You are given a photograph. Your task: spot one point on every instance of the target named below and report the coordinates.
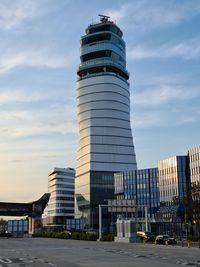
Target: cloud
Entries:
(186, 49)
(160, 118)
(19, 124)
(12, 13)
(30, 113)
(146, 120)
(33, 58)
(143, 16)
(8, 95)
(164, 94)
(166, 105)
(118, 14)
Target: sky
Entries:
(40, 46)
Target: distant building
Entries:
(173, 182)
(193, 210)
(194, 168)
(61, 203)
(18, 228)
(140, 185)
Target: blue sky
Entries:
(39, 44)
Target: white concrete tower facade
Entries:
(103, 107)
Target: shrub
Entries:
(83, 236)
(66, 235)
(193, 238)
(108, 237)
(76, 235)
(62, 235)
(91, 237)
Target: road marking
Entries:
(5, 260)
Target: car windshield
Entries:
(165, 236)
(148, 233)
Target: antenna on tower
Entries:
(103, 18)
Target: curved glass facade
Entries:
(103, 108)
(103, 42)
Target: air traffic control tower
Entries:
(103, 108)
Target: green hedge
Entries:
(84, 236)
(193, 238)
(108, 237)
(64, 235)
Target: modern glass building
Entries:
(61, 202)
(103, 108)
(194, 165)
(173, 180)
(194, 188)
(142, 186)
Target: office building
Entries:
(141, 186)
(103, 107)
(194, 169)
(173, 180)
(18, 228)
(193, 210)
(61, 202)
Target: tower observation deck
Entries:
(103, 108)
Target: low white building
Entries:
(61, 203)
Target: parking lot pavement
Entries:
(71, 253)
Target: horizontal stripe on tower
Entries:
(106, 135)
(103, 109)
(106, 153)
(103, 118)
(103, 92)
(100, 144)
(106, 162)
(104, 83)
(93, 101)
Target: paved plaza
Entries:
(71, 253)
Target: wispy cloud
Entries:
(12, 13)
(147, 120)
(141, 15)
(159, 118)
(166, 104)
(189, 49)
(19, 124)
(164, 94)
(8, 95)
(33, 58)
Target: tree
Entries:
(3, 222)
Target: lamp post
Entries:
(100, 220)
(146, 218)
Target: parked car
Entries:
(146, 236)
(165, 240)
(6, 234)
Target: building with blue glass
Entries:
(193, 210)
(173, 181)
(142, 186)
(103, 108)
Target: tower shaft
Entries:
(103, 108)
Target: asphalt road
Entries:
(71, 253)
